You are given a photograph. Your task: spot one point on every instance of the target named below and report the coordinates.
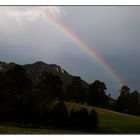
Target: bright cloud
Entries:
(32, 13)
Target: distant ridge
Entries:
(34, 70)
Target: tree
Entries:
(84, 120)
(5, 94)
(80, 119)
(20, 78)
(59, 115)
(134, 103)
(123, 101)
(93, 119)
(50, 85)
(47, 90)
(96, 94)
(125, 90)
(76, 91)
(128, 102)
(21, 86)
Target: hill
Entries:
(34, 70)
(111, 121)
(19, 97)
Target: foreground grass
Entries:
(111, 121)
(12, 129)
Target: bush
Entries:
(93, 119)
(79, 119)
(59, 115)
(82, 120)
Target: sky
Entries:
(112, 31)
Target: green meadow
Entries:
(12, 129)
(110, 122)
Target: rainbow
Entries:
(84, 46)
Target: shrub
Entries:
(82, 120)
(93, 119)
(59, 115)
(79, 119)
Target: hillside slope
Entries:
(111, 121)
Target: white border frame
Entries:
(69, 2)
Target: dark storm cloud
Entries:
(113, 31)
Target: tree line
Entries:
(27, 102)
(128, 102)
(24, 102)
(96, 95)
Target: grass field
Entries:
(109, 122)
(15, 129)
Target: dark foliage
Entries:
(76, 91)
(134, 103)
(26, 102)
(96, 94)
(58, 115)
(5, 101)
(50, 85)
(93, 119)
(82, 120)
(15, 88)
(128, 102)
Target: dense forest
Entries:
(25, 101)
